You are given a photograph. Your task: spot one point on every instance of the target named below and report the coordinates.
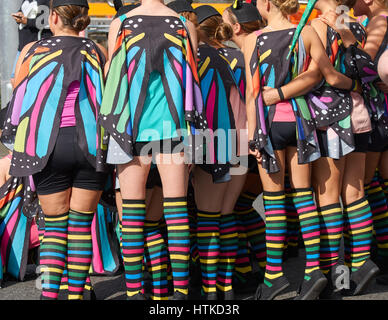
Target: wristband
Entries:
(281, 95)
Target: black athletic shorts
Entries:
(67, 167)
(361, 141)
(378, 142)
(283, 135)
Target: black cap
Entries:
(81, 3)
(180, 6)
(205, 11)
(245, 12)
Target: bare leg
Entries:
(353, 178)
(326, 179)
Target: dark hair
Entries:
(247, 27)
(215, 30)
(73, 17)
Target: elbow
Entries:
(333, 80)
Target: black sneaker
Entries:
(312, 287)
(137, 297)
(212, 296)
(360, 279)
(226, 295)
(264, 292)
(179, 296)
(246, 283)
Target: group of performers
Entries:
(140, 121)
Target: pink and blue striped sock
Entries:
(79, 251)
(176, 216)
(134, 212)
(53, 254)
(275, 234)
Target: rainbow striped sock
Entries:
(191, 209)
(243, 261)
(134, 212)
(292, 217)
(208, 234)
(303, 201)
(176, 216)
(79, 251)
(228, 252)
(360, 225)
(156, 255)
(292, 222)
(385, 188)
(275, 234)
(331, 222)
(53, 253)
(253, 226)
(379, 208)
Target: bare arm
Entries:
(376, 30)
(318, 54)
(301, 85)
(383, 67)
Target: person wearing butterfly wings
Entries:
(365, 57)
(284, 134)
(151, 96)
(52, 126)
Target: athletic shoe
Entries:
(360, 279)
(312, 287)
(264, 292)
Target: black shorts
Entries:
(361, 141)
(160, 146)
(283, 135)
(378, 143)
(67, 167)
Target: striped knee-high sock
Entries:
(292, 216)
(208, 234)
(176, 216)
(243, 262)
(331, 221)
(156, 254)
(275, 234)
(253, 224)
(53, 253)
(359, 220)
(228, 252)
(303, 201)
(384, 185)
(191, 209)
(133, 244)
(347, 241)
(292, 222)
(378, 204)
(79, 251)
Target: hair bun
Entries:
(224, 32)
(287, 7)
